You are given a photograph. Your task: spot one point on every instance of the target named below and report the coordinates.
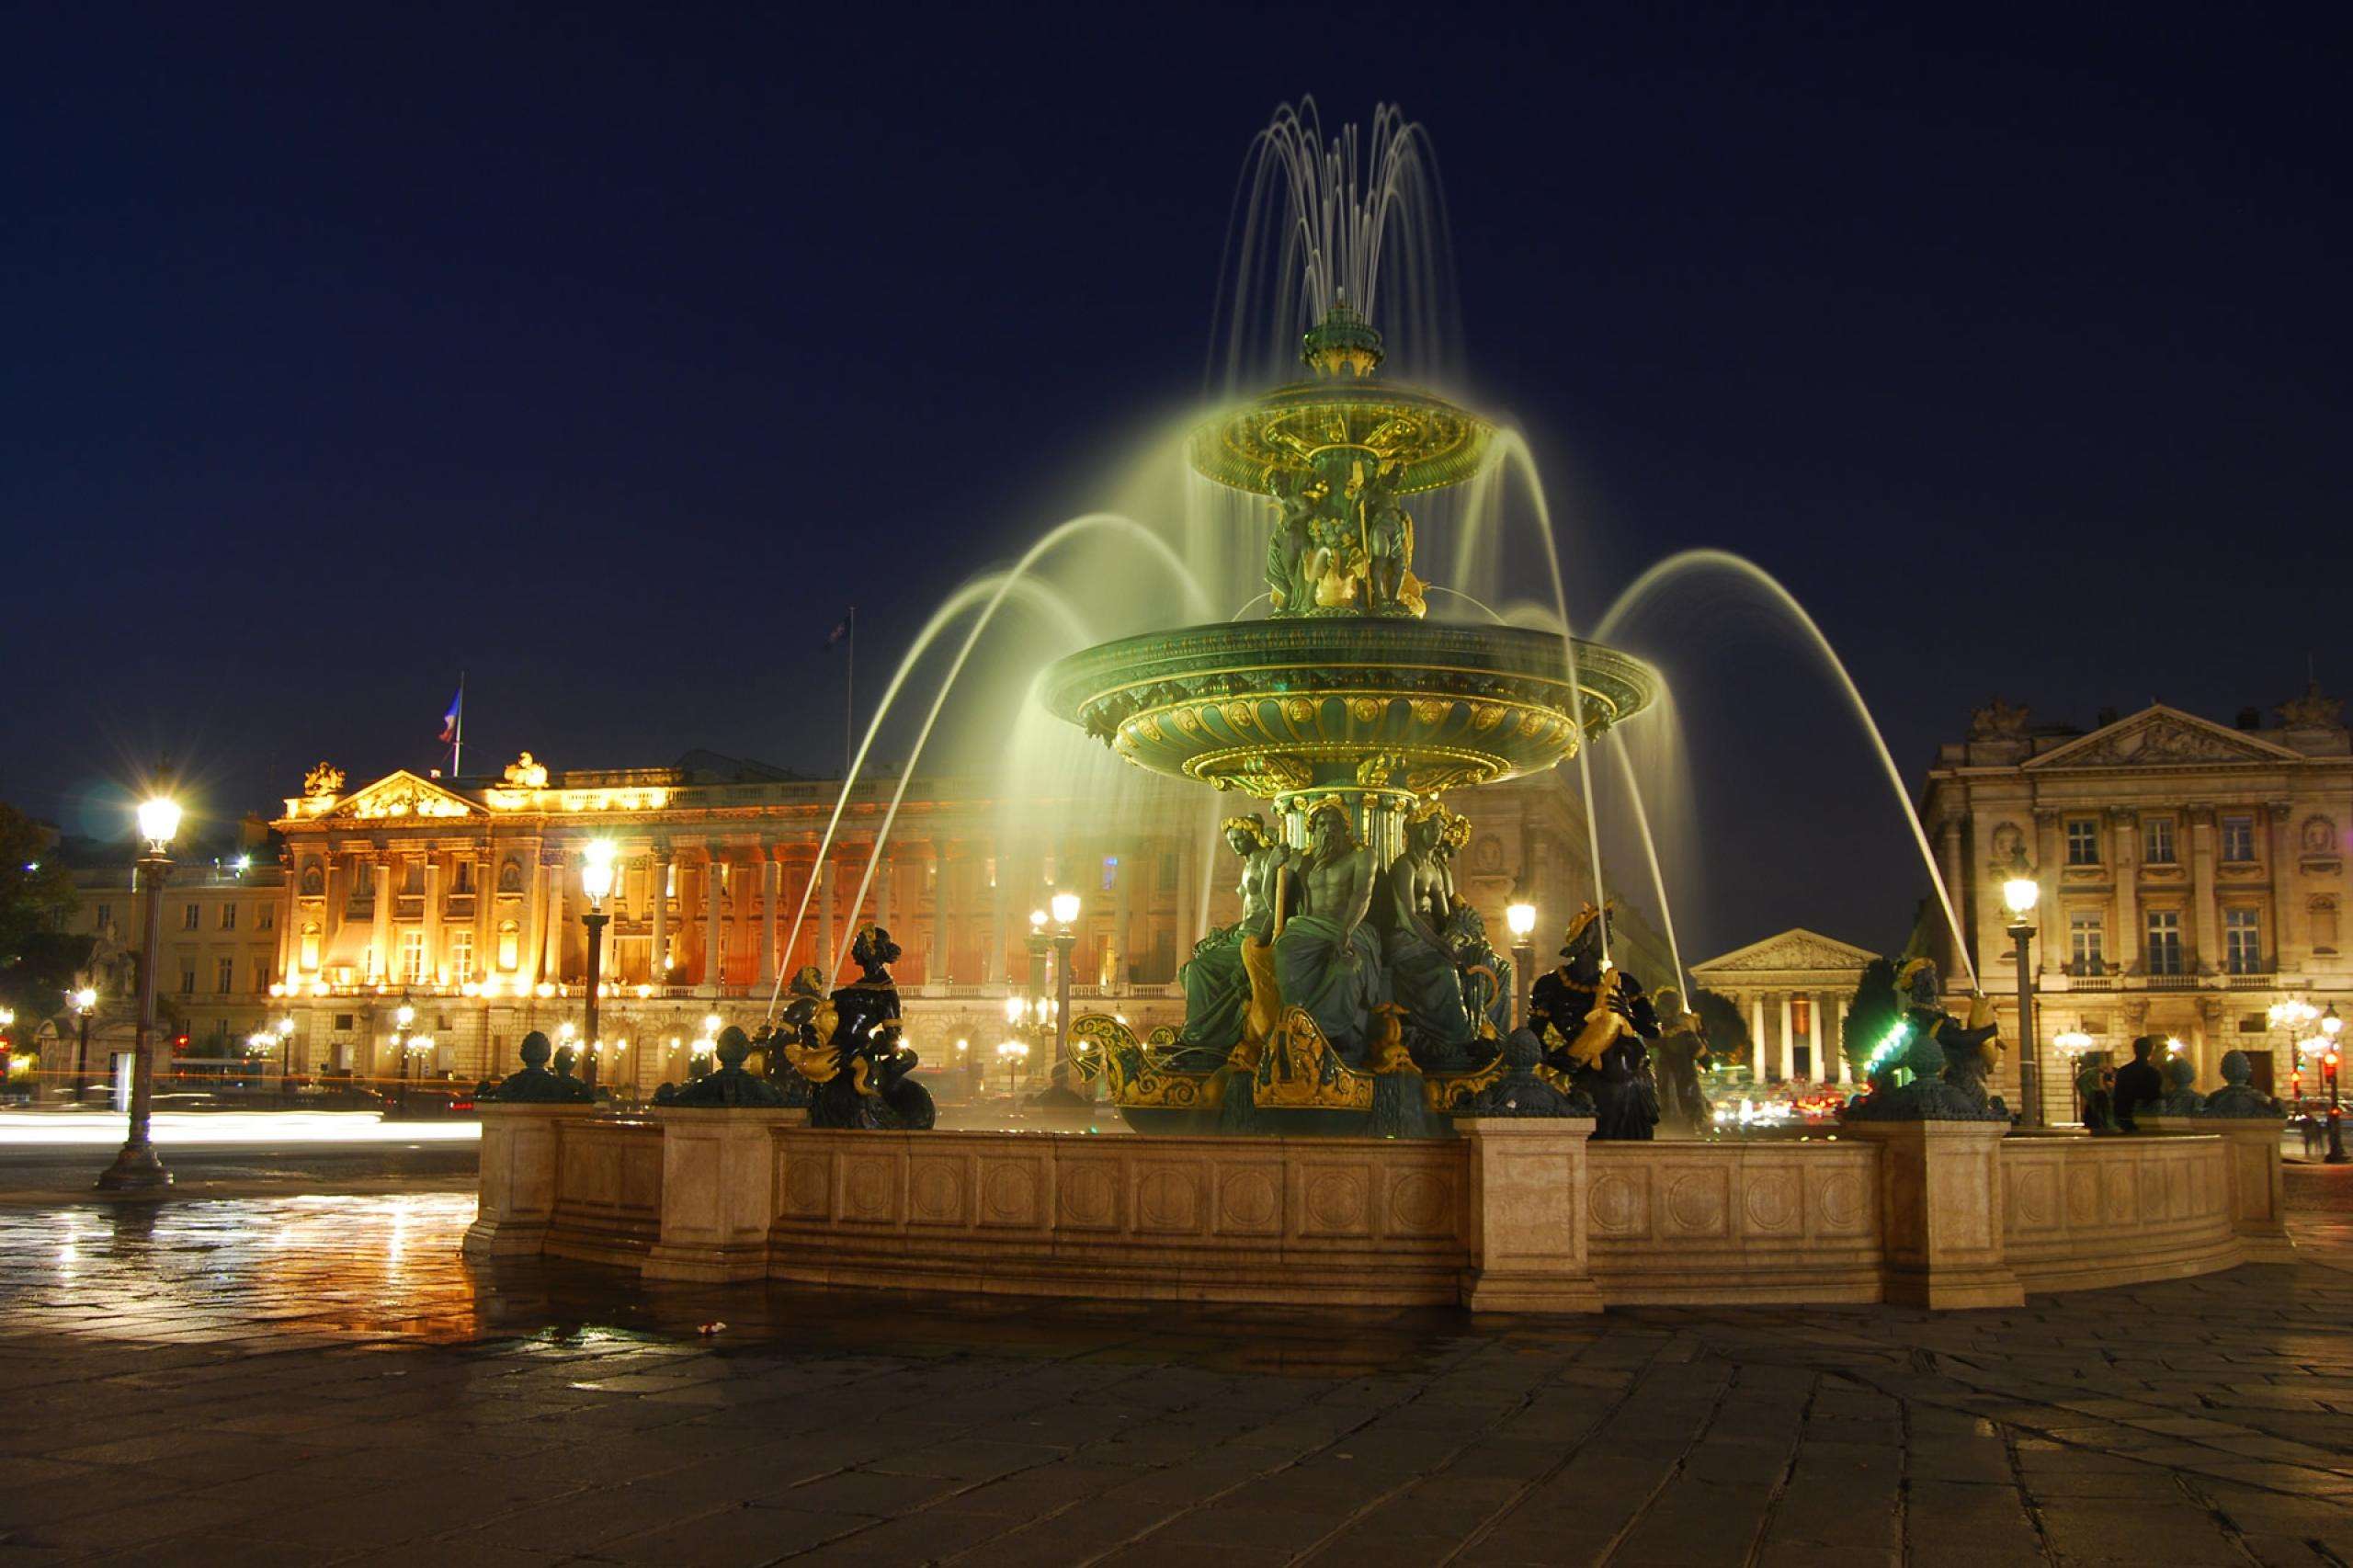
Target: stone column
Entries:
(2123, 945)
(826, 919)
(1526, 1213)
(1956, 887)
(1757, 1034)
(552, 891)
(1846, 1065)
(2282, 851)
(660, 900)
(714, 941)
(338, 899)
(999, 931)
(2207, 950)
(1940, 1213)
(290, 925)
(1789, 1042)
(770, 872)
(380, 928)
(486, 915)
(937, 963)
(1824, 1070)
(433, 965)
(1122, 918)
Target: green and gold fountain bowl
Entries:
(1273, 707)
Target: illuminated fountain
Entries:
(1359, 994)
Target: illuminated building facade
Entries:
(461, 897)
(2190, 874)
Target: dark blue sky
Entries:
(605, 356)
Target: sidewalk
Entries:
(319, 1379)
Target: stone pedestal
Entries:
(2258, 1203)
(517, 1181)
(1526, 1225)
(717, 1191)
(1940, 1213)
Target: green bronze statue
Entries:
(1217, 986)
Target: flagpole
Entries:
(458, 738)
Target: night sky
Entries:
(607, 360)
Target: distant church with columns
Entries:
(1794, 989)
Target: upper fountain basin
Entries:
(1270, 707)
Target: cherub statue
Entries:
(729, 1086)
(2181, 1098)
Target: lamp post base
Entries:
(2336, 1156)
(135, 1169)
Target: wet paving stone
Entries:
(281, 1378)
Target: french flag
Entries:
(450, 721)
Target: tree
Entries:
(1727, 1031)
(1871, 1012)
(38, 959)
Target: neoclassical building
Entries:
(461, 898)
(1794, 989)
(2190, 874)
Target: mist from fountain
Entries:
(1677, 568)
(991, 592)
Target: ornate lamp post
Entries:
(1520, 915)
(403, 1017)
(135, 1167)
(2074, 1045)
(286, 1054)
(1013, 1053)
(1065, 907)
(2330, 1024)
(86, 1001)
(2293, 1017)
(2019, 896)
(596, 882)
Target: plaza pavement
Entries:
(294, 1378)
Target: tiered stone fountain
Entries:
(1353, 717)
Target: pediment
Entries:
(403, 794)
(2162, 737)
(1794, 949)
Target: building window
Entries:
(2156, 841)
(261, 975)
(265, 917)
(2084, 944)
(461, 879)
(187, 983)
(2242, 941)
(105, 916)
(188, 918)
(413, 957)
(2254, 1023)
(228, 917)
(413, 879)
(2164, 942)
(225, 976)
(462, 955)
(2083, 841)
(2238, 840)
(1110, 873)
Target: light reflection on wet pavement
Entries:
(314, 1379)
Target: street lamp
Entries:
(86, 1001)
(1520, 915)
(1013, 1053)
(286, 1054)
(2019, 896)
(403, 1017)
(596, 882)
(2293, 1017)
(2330, 1025)
(1065, 906)
(135, 1167)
